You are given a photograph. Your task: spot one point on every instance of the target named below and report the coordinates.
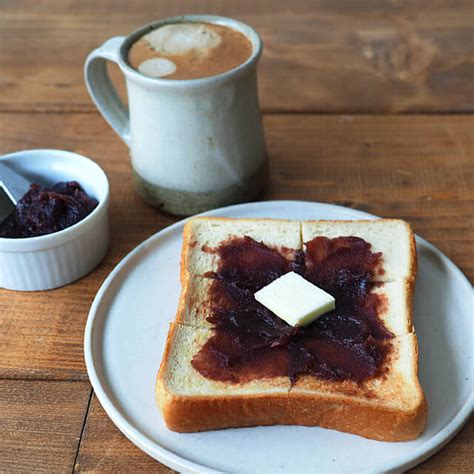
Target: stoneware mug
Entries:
(194, 144)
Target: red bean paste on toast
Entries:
(250, 342)
(45, 210)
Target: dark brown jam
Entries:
(45, 210)
(251, 342)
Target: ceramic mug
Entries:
(195, 144)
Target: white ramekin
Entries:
(50, 261)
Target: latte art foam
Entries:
(182, 38)
(157, 67)
(189, 51)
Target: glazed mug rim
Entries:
(248, 31)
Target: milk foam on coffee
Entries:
(183, 37)
(189, 51)
(157, 67)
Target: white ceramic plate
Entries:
(126, 332)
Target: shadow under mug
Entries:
(194, 144)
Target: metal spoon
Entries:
(13, 187)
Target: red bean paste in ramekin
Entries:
(45, 210)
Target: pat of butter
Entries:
(295, 300)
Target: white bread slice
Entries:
(397, 390)
(203, 233)
(390, 407)
(182, 378)
(393, 237)
(387, 408)
(395, 312)
(190, 402)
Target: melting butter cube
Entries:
(295, 300)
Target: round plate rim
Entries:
(421, 453)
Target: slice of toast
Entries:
(191, 402)
(393, 237)
(195, 306)
(389, 406)
(202, 234)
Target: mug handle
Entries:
(102, 91)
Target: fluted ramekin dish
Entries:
(54, 260)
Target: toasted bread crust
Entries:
(352, 417)
(192, 414)
(410, 294)
(413, 255)
(200, 413)
(188, 414)
(187, 246)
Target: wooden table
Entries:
(366, 104)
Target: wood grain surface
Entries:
(41, 424)
(320, 56)
(333, 79)
(417, 168)
(105, 449)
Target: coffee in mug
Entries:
(189, 51)
(193, 124)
